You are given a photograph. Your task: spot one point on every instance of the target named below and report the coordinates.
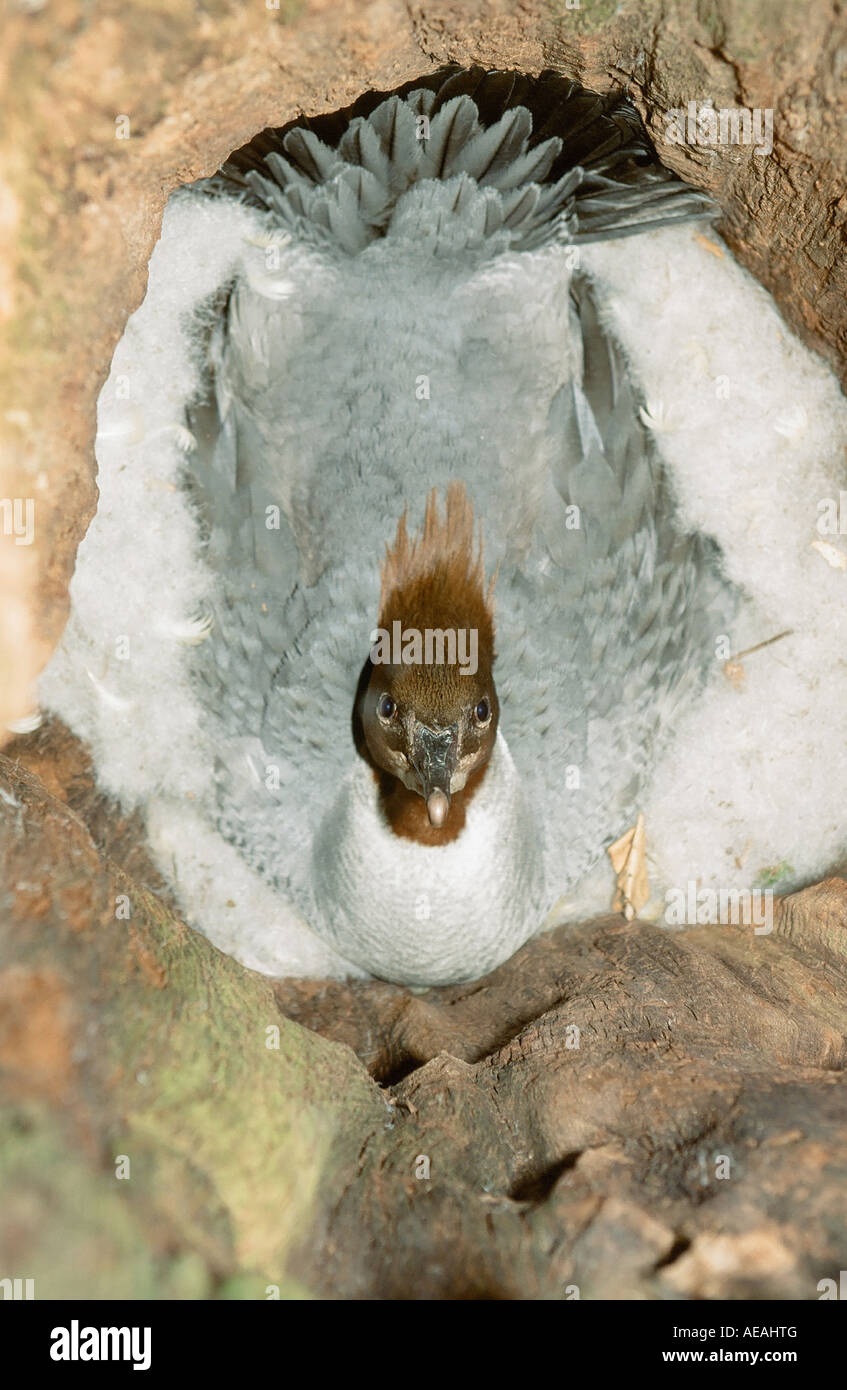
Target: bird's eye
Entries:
(386, 707)
(482, 712)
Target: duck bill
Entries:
(433, 757)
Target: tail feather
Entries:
(587, 154)
(452, 130)
(491, 154)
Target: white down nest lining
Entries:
(432, 352)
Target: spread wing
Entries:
(277, 674)
(307, 458)
(610, 621)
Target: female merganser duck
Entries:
(407, 343)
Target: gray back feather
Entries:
(603, 627)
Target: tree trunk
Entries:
(623, 1110)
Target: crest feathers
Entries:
(438, 575)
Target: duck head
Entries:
(429, 710)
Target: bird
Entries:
(452, 611)
(423, 831)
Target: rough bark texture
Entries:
(622, 1110)
(693, 1143)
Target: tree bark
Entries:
(621, 1110)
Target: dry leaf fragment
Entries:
(735, 673)
(629, 861)
(733, 667)
(833, 556)
(709, 245)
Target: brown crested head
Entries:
(430, 709)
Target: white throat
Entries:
(429, 914)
